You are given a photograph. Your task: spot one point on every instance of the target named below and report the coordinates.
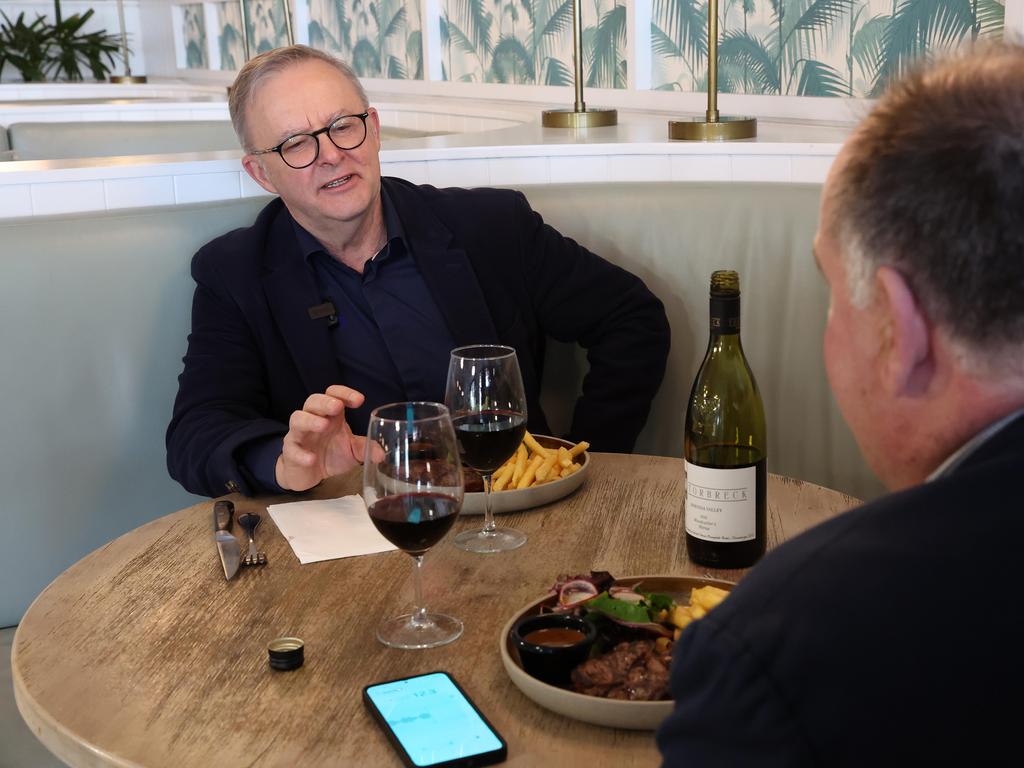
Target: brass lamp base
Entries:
(128, 78)
(570, 118)
(725, 129)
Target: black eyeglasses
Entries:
(301, 150)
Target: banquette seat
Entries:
(113, 138)
(96, 309)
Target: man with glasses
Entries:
(350, 290)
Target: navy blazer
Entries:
(889, 635)
(498, 273)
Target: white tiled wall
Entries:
(68, 197)
(203, 187)
(15, 200)
(138, 193)
(47, 192)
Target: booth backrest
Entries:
(673, 235)
(4, 143)
(67, 140)
(59, 141)
(96, 309)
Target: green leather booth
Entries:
(113, 138)
(95, 310)
(110, 138)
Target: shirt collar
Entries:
(961, 454)
(308, 244)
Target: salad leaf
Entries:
(636, 613)
(658, 602)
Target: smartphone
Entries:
(432, 722)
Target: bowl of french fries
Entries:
(543, 469)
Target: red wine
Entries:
(414, 522)
(489, 438)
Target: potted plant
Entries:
(41, 50)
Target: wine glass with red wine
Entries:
(412, 484)
(488, 406)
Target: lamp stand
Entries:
(578, 116)
(713, 127)
(127, 77)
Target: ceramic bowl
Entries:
(552, 663)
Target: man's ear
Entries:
(258, 173)
(907, 357)
(374, 123)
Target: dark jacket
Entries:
(890, 635)
(498, 274)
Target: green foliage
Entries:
(918, 28)
(521, 41)
(229, 40)
(754, 55)
(609, 39)
(41, 50)
(365, 58)
(819, 79)
(25, 46)
(684, 22)
(510, 57)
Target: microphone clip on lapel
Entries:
(320, 311)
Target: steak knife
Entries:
(227, 544)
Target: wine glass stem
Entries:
(419, 611)
(489, 525)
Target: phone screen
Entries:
(434, 721)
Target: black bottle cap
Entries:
(286, 653)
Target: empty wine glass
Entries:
(412, 484)
(488, 407)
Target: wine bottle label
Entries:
(721, 503)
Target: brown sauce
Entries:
(555, 637)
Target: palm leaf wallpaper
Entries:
(379, 38)
(529, 42)
(839, 48)
(229, 36)
(193, 35)
(811, 47)
(267, 26)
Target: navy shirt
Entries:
(391, 340)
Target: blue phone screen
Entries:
(432, 719)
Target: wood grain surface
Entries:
(142, 654)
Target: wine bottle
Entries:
(725, 444)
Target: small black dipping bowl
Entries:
(552, 664)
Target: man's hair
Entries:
(934, 188)
(265, 65)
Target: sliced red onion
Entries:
(626, 594)
(576, 592)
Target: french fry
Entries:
(533, 445)
(579, 448)
(707, 597)
(520, 467)
(681, 616)
(502, 477)
(564, 459)
(533, 464)
(531, 472)
(545, 469)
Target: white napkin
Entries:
(328, 529)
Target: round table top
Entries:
(141, 654)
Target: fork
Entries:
(249, 521)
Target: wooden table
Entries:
(142, 654)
